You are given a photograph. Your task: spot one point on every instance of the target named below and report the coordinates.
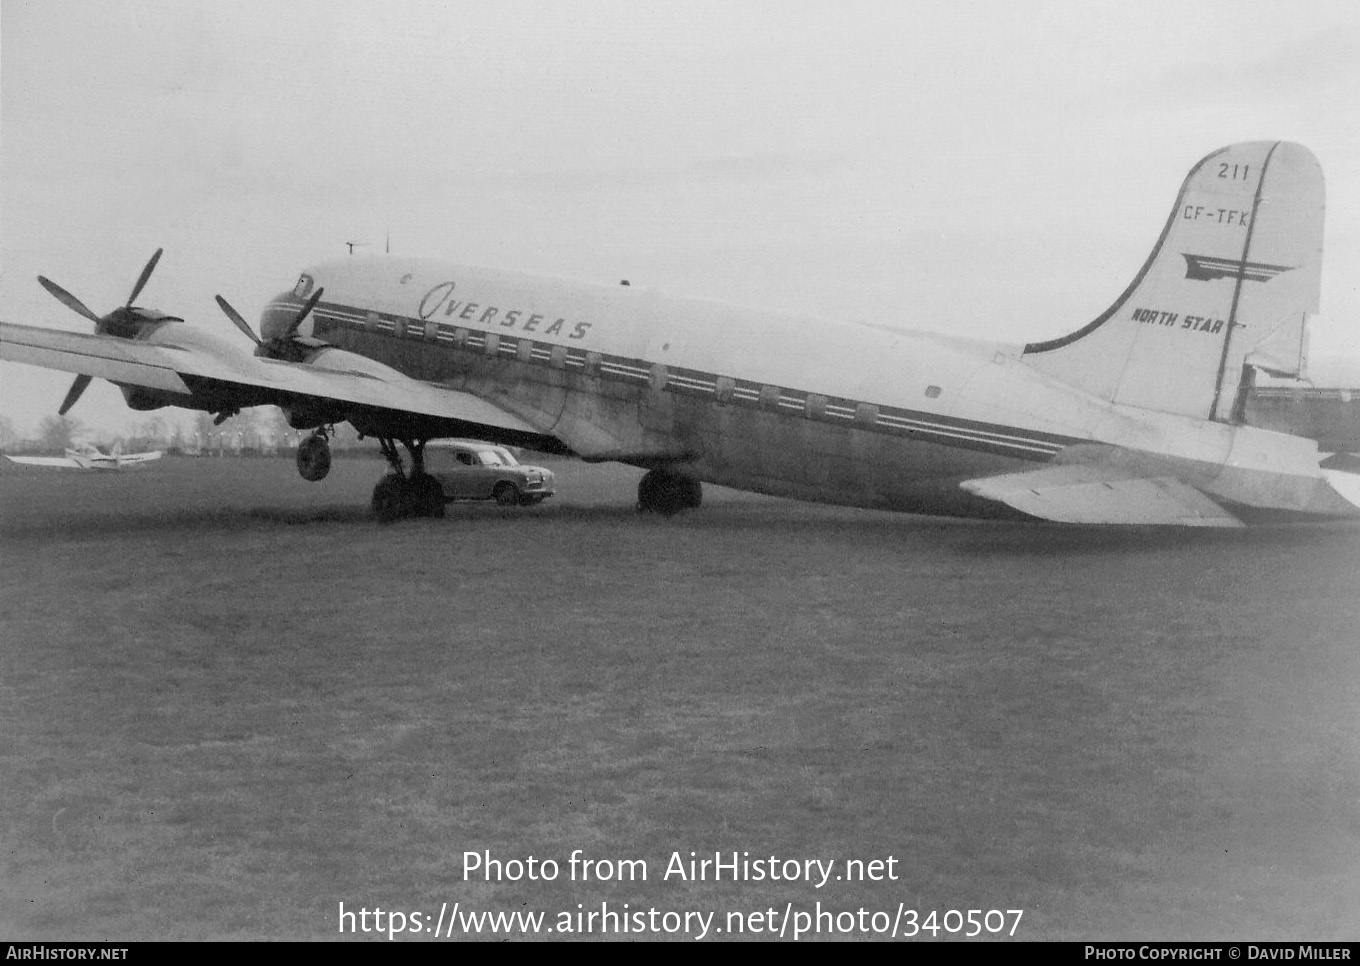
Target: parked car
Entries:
(483, 471)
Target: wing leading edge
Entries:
(182, 369)
(61, 461)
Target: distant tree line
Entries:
(261, 431)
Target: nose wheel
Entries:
(406, 493)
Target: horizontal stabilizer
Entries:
(1103, 495)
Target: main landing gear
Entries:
(401, 493)
(314, 455)
(667, 493)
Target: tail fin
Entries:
(1229, 285)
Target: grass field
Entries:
(230, 702)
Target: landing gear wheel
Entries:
(692, 493)
(406, 494)
(426, 496)
(314, 458)
(390, 501)
(667, 493)
(505, 494)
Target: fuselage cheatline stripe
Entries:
(928, 426)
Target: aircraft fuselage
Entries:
(835, 412)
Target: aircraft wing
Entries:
(127, 458)
(196, 366)
(1096, 493)
(45, 461)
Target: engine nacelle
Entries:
(143, 400)
(313, 352)
(312, 417)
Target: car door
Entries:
(464, 476)
(487, 476)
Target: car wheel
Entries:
(505, 494)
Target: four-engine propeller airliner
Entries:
(1138, 417)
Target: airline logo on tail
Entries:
(1206, 268)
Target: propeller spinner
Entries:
(124, 322)
(284, 346)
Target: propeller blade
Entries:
(146, 274)
(306, 310)
(73, 394)
(67, 299)
(240, 322)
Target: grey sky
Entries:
(926, 165)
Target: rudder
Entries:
(1229, 285)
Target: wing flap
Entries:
(1103, 495)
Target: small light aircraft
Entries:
(87, 456)
(1141, 416)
